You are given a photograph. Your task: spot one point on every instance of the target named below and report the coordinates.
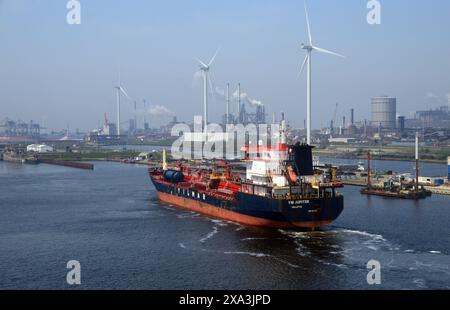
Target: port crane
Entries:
(333, 119)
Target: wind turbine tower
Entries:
(205, 68)
(309, 47)
(227, 116)
(119, 92)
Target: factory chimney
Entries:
(145, 111)
(352, 116)
(227, 116)
(283, 129)
(239, 103)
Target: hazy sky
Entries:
(64, 74)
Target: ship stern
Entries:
(313, 213)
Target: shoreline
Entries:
(377, 157)
(127, 154)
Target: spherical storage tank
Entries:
(384, 110)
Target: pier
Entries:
(362, 182)
(66, 163)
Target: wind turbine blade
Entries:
(197, 75)
(307, 23)
(124, 92)
(303, 66)
(214, 57)
(201, 63)
(211, 89)
(322, 50)
(119, 73)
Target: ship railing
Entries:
(297, 196)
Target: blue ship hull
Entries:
(253, 209)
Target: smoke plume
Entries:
(156, 110)
(244, 96)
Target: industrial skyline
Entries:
(60, 74)
(225, 147)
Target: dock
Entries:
(66, 163)
(439, 190)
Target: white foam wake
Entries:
(209, 235)
(262, 255)
(363, 233)
(247, 253)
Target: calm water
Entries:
(109, 220)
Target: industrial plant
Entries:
(19, 131)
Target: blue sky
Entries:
(64, 75)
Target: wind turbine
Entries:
(309, 47)
(204, 68)
(119, 91)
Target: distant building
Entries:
(132, 126)
(352, 130)
(342, 140)
(167, 129)
(448, 166)
(19, 132)
(144, 155)
(384, 110)
(39, 148)
(401, 123)
(109, 129)
(431, 181)
(438, 118)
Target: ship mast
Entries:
(164, 160)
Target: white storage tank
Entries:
(384, 110)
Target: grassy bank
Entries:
(167, 142)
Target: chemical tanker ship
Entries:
(279, 189)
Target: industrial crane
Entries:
(333, 119)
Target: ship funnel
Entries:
(302, 156)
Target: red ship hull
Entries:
(213, 211)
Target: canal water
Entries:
(110, 221)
